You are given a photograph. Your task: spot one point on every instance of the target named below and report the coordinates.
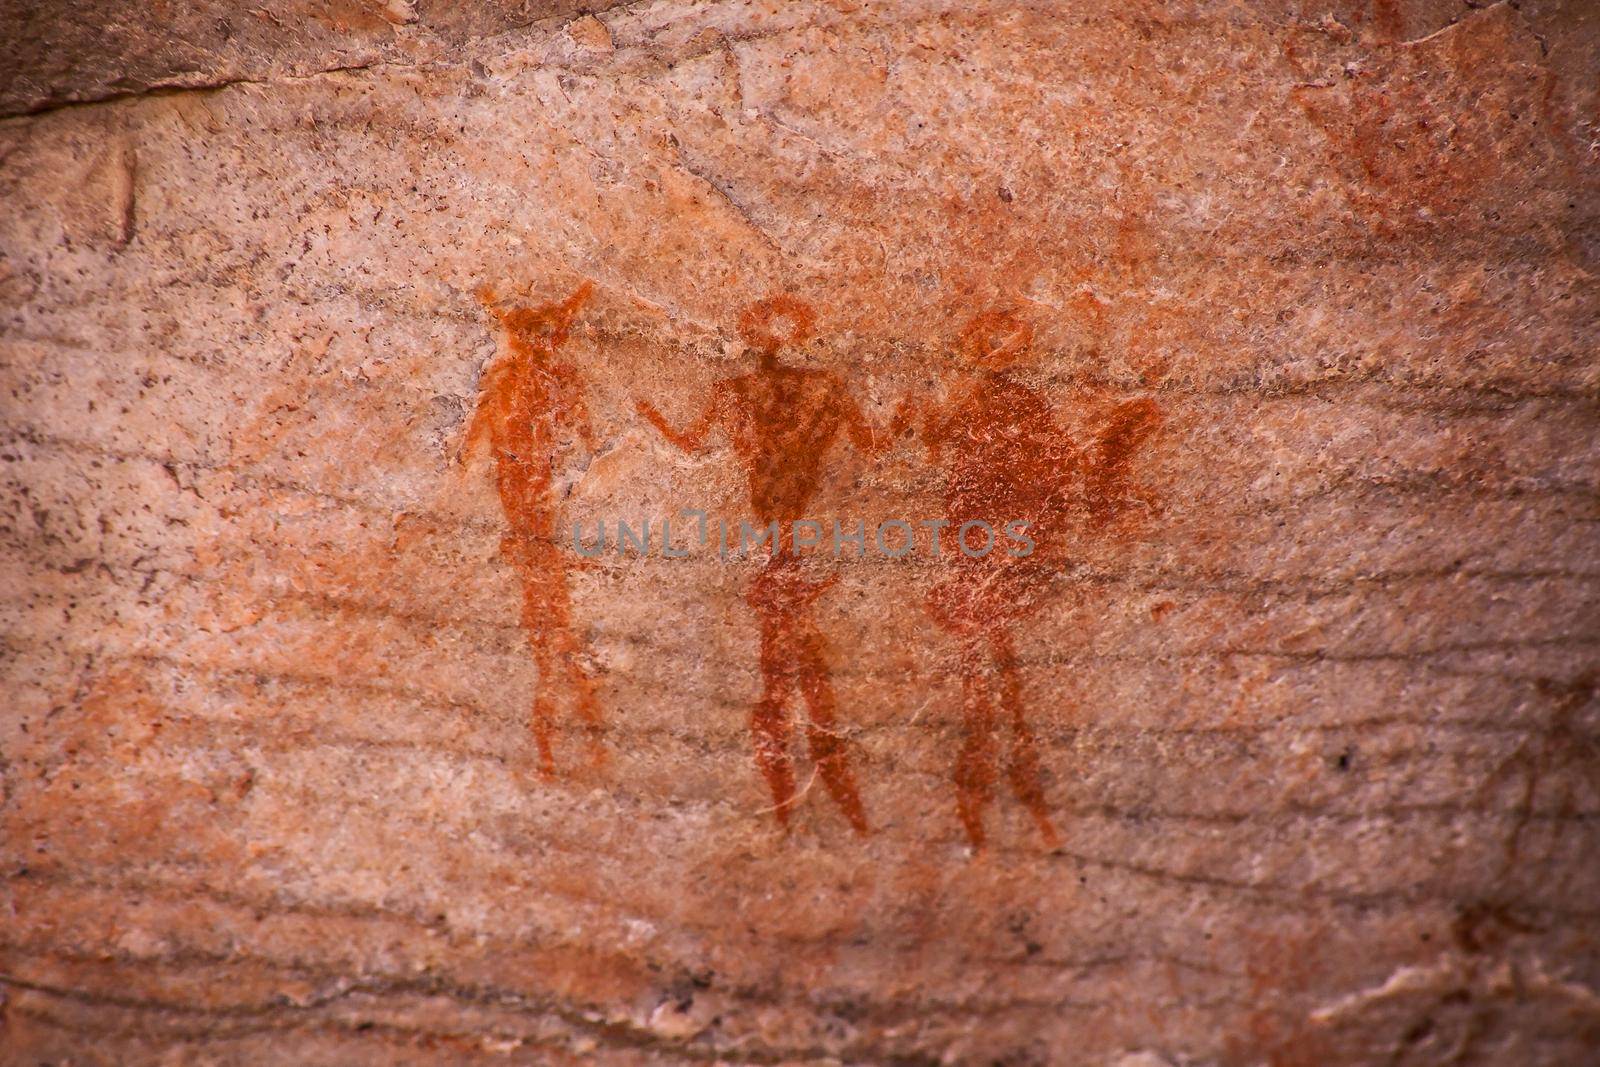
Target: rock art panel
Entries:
(1238, 353)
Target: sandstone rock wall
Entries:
(320, 744)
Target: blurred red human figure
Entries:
(530, 408)
(781, 421)
(1005, 461)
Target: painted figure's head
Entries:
(996, 339)
(545, 326)
(770, 324)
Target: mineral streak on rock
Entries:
(322, 324)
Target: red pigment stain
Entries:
(781, 422)
(530, 407)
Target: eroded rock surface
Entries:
(322, 324)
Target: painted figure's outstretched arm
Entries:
(492, 403)
(692, 439)
(1125, 430)
(478, 427)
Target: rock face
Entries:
(1268, 735)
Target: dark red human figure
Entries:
(781, 422)
(1005, 460)
(530, 408)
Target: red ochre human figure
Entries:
(530, 408)
(781, 422)
(1004, 459)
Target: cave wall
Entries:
(321, 324)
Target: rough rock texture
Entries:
(321, 745)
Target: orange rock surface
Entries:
(1271, 324)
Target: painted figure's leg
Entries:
(579, 683)
(534, 618)
(828, 749)
(543, 717)
(975, 764)
(770, 730)
(1027, 778)
(547, 610)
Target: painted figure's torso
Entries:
(781, 422)
(532, 413)
(1003, 456)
